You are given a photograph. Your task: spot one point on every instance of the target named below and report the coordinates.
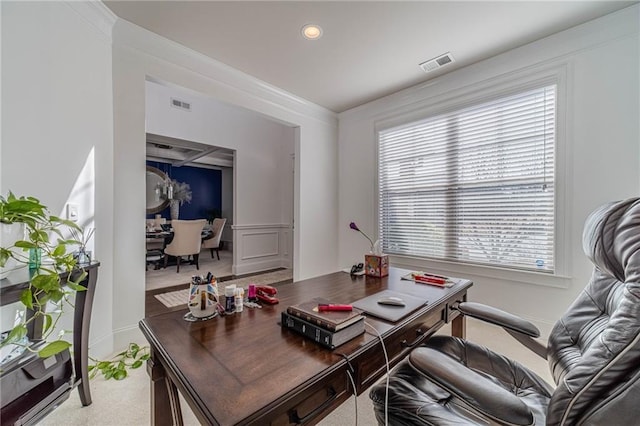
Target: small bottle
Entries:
(229, 299)
(239, 298)
(252, 293)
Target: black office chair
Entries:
(593, 352)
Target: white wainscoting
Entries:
(261, 247)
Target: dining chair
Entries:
(155, 252)
(186, 241)
(213, 243)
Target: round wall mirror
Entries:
(155, 179)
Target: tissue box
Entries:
(376, 265)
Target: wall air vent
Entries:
(438, 62)
(180, 104)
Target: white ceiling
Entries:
(180, 152)
(368, 49)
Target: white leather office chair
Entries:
(187, 238)
(213, 243)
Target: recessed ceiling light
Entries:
(311, 32)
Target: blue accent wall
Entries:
(206, 189)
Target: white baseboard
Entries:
(124, 336)
(107, 346)
(102, 348)
(251, 267)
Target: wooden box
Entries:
(376, 265)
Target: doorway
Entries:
(252, 155)
(202, 173)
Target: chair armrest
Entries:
(520, 329)
(498, 317)
(471, 388)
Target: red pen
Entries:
(334, 307)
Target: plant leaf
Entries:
(136, 364)
(26, 297)
(54, 348)
(25, 244)
(18, 332)
(47, 322)
(59, 250)
(46, 282)
(76, 287)
(56, 295)
(5, 254)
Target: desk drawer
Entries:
(371, 365)
(312, 404)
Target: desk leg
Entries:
(165, 405)
(459, 327)
(459, 324)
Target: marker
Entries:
(324, 307)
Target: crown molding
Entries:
(132, 36)
(96, 14)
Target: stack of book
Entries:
(329, 328)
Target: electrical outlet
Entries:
(72, 212)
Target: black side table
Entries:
(10, 290)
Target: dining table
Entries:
(168, 235)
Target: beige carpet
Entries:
(180, 297)
(127, 402)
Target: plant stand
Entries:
(39, 401)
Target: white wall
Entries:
(602, 136)
(66, 91)
(68, 88)
(57, 126)
(139, 54)
(227, 205)
(263, 203)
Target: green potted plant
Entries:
(40, 232)
(43, 236)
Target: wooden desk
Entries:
(245, 368)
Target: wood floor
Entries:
(154, 307)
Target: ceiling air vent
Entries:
(180, 104)
(435, 63)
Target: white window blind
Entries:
(474, 185)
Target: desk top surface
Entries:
(226, 362)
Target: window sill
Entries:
(464, 270)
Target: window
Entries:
(474, 185)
